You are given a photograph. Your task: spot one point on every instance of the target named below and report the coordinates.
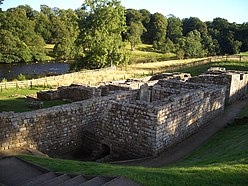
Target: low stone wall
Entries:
(53, 130)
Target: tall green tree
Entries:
(101, 36)
(193, 23)
(135, 27)
(225, 33)
(174, 29)
(146, 21)
(12, 49)
(18, 25)
(158, 30)
(65, 46)
(192, 46)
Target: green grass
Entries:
(14, 100)
(244, 53)
(229, 65)
(49, 51)
(145, 53)
(223, 160)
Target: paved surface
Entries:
(186, 147)
(16, 172)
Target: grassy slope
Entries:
(145, 53)
(230, 65)
(223, 160)
(14, 99)
(244, 54)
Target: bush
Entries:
(21, 77)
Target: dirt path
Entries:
(186, 147)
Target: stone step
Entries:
(40, 179)
(121, 181)
(56, 181)
(97, 181)
(75, 181)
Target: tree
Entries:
(12, 49)
(174, 29)
(135, 27)
(101, 37)
(135, 30)
(225, 33)
(193, 23)
(67, 34)
(43, 27)
(192, 46)
(19, 30)
(158, 30)
(146, 21)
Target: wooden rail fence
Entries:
(67, 79)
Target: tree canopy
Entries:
(101, 36)
(96, 34)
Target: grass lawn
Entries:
(145, 53)
(223, 160)
(229, 65)
(14, 100)
(244, 53)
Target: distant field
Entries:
(230, 65)
(244, 53)
(144, 53)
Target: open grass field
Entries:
(244, 53)
(223, 160)
(229, 65)
(15, 100)
(144, 54)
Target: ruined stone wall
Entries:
(53, 130)
(139, 129)
(238, 86)
(185, 115)
(236, 83)
(128, 129)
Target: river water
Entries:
(32, 70)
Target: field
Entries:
(15, 99)
(230, 65)
(243, 54)
(145, 53)
(223, 160)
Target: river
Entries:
(32, 70)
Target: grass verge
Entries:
(15, 99)
(223, 160)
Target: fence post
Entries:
(16, 85)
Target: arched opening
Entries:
(105, 150)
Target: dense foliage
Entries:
(95, 34)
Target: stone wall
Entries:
(138, 129)
(53, 130)
(72, 93)
(133, 123)
(184, 114)
(235, 81)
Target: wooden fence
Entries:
(67, 79)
